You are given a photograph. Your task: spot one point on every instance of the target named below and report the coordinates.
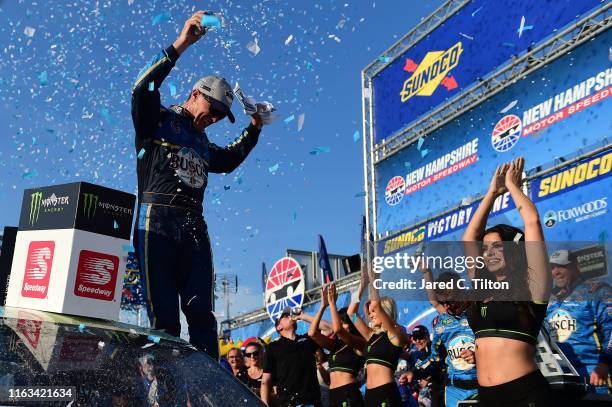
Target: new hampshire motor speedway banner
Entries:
(473, 42)
(561, 110)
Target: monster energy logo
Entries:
(35, 202)
(483, 311)
(90, 203)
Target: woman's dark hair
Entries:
(347, 320)
(515, 257)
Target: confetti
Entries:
(301, 121)
(424, 152)
(407, 164)
(81, 328)
(147, 345)
(105, 113)
(115, 224)
(153, 338)
(253, 47)
(289, 119)
(469, 37)
(29, 174)
(141, 153)
(508, 44)
(273, 168)
(523, 27)
(384, 59)
(29, 31)
(43, 78)
(477, 10)
(294, 217)
(360, 194)
(420, 143)
(320, 150)
(151, 86)
(509, 106)
(128, 248)
(289, 39)
(172, 87)
(356, 136)
(161, 18)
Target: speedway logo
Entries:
(189, 166)
(38, 269)
(431, 72)
(91, 203)
(52, 203)
(96, 275)
(585, 211)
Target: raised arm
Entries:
(313, 329)
(146, 101)
(540, 277)
(395, 332)
(353, 309)
(355, 342)
(227, 159)
(475, 229)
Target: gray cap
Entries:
(219, 91)
(562, 258)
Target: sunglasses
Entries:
(252, 354)
(235, 357)
(220, 115)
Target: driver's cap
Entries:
(221, 93)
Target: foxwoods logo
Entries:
(90, 203)
(578, 213)
(49, 204)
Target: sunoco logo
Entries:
(90, 203)
(431, 72)
(578, 213)
(49, 204)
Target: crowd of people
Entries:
(480, 348)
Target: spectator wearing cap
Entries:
(291, 366)
(175, 157)
(579, 316)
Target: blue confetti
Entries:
(420, 144)
(172, 87)
(508, 44)
(474, 13)
(154, 338)
(81, 327)
(320, 150)
(294, 217)
(384, 59)
(141, 153)
(106, 115)
(43, 78)
(29, 174)
(273, 169)
(211, 21)
(128, 248)
(289, 119)
(151, 86)
(160, 18)
(115, 224)
(356, 136)
(360, 194)
(226, 187)
(424, 152)
(407, 164)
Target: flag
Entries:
(264, 276)
(326, 270)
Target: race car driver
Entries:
(580, 318)
(174, 159)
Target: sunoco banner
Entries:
(477, 39)
(561, 110)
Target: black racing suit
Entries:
(171, 236)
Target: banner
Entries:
(558, 111)
(473, 42)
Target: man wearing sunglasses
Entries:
(174, 159)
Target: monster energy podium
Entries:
(69, 253)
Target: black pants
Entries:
(176, 260)
(386, 395)
(531, 390)
(346, 396)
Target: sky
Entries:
(67, 68)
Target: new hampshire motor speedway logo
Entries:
(506, 133)
(394, 192)
(49, 204)
(285, 287)
(431, 72)
(579, 213)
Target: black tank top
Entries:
(507, 319)
(344, 359)
(380, 350)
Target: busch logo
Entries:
(38, 269)
(90, 203)
(189, 166)
(96, 275)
